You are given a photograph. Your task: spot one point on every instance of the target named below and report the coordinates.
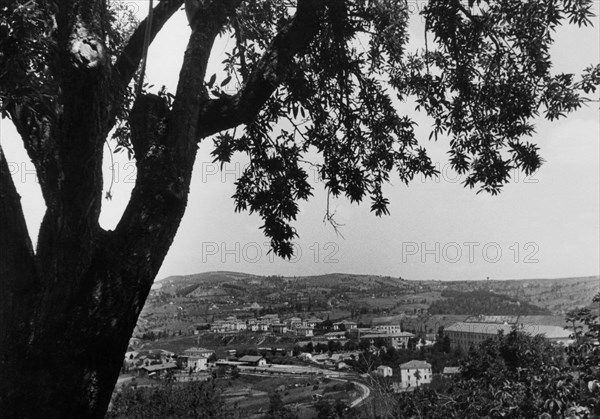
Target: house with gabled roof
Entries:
(254, 360)
(415, 373)
(195, 351)
(157, 370)
(195, 359)
(304, 331)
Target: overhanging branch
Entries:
(272, 69)
(130, 57)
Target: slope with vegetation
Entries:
(483, 302)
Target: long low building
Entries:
(397, 340)
(467, 334)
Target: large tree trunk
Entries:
(67, 312)
(67, 309)
(70, 367)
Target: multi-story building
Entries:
(415, 373)
(195, 359)
(312, 322)
(345, 325)
(304, 331)
(195, 351)
(335, 335)
(252, 325)
(231, 324)
(388, 328)
(466, 334)
(396, 340)
(293, 322)
(278, 328)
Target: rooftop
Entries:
(451, 370)
(550, 332)
(159, 367)
(196, 350)
(388, 335)
(250, 358)
(483, 328)
(415, 364)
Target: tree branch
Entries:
(130, 57)
(272, 69)
(164, 142)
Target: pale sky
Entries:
(547, 225)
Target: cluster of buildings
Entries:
(157, 363)
(407, 377)
(413, 374)
(335, 360)
(463, 335)
(272, 323)
(388, 334)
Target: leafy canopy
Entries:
(483, 77)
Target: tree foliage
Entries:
(337, 409)
(277, 409)
(483, 79)
(193, 400)
(517, 376)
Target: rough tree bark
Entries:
(68, 308)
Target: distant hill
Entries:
(483, 302)
(179, 304)
(557, 295)
(534, 296)
(178, 284)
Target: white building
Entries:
(415, 373)
(396, 340)
(196, 359)
(388, 328)
(345, 324)
(231, 324)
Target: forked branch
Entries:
(272, 69)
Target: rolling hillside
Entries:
(551, 296)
